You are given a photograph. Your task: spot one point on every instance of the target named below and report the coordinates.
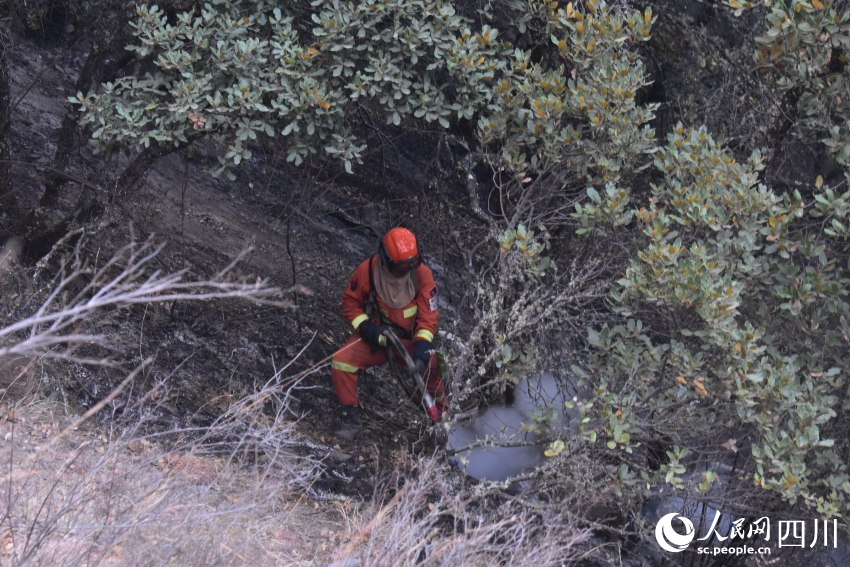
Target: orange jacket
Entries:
(418, 318)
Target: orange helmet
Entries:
(400, 251)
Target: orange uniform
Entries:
(417, 321)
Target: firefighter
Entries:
(392, 289)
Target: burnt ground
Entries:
(303, 231)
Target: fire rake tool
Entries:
(410, 366)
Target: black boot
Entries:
(349, 425)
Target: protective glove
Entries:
(373, 334)
(421, 355)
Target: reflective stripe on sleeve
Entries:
(425, 334)
(344, 366)
(357, 321)
(408, 313)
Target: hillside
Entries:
(635, 214)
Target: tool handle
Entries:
(427, 400)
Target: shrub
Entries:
(734, 316)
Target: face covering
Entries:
(396, 291)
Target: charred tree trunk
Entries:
(8, 202)
(105, 58)
(41, 228)
(94, 66)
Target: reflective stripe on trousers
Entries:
(358, 355)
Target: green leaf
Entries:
(521, 232)
(555, 448)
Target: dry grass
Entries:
(120, 497)
(430, 522)
(233, 494)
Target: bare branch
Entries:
(125, 279)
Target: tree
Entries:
(734, 310)
(8, 202)
(240, 71)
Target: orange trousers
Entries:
(357, 355)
